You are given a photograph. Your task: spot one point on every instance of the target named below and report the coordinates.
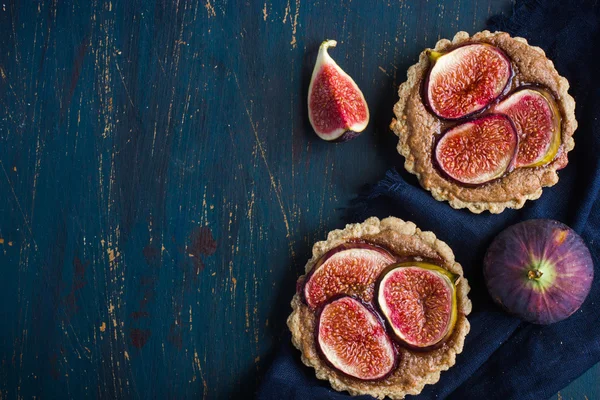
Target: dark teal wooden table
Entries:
(160, 185)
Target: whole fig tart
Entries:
(484, 121)
(381, 310)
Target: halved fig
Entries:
(353, 340)
(419, 302)
(537, 120)
(336, 107)
(479, 150)
(466, 80)
(350, 268)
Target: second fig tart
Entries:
(382, 309)
(484, 121)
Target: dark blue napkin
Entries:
(503, 357)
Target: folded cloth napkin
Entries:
(504, 358)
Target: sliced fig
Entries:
(479, 150)
(419, 302)
(353, 340)
(350, 268)
(540, 270)
(336, 107)
(537, 119)
(466, 80)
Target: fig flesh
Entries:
(350, 268)
(537, 120)
(353, 340)
(466, 80)
(336, 107)
(418, 301)
(478, 151)
(541, 270)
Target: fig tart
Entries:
(381, 310)
(484, 121)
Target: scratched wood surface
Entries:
(160, 186)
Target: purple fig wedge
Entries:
(336, 107)
(351, 269)
(466, 80)
(537, 120)
(478, 151)
(353, 340)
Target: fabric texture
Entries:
(504, 358)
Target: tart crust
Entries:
(415, 126)
(415, 368)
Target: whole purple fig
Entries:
(540, 270)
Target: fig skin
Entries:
(337, 114)
(368, 308)
(435, 56)
(451, 280)
(504, 107)
(510, 165)
(343, 247)
(540, 270)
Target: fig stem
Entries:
(327, 44)
(534, 274)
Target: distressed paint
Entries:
(160, 186)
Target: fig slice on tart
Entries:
(350, 268)
(477, 151)
(353, 340)
(466, 80)
(537, 119)
(418, 300)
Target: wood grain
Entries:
(160, 185)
